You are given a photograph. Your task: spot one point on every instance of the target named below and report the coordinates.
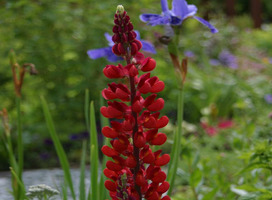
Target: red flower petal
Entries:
(121, 49)
(109, 151)
(139, 44)
(150, 123)
(145, 88)
(120, 144)
(111, 186)
(157, 87)
(121, 94)
(113, 166)
(149, 100)
(114, 113)
(115, 50)
(140, 180)
(134, 48)
(163, 160)
(109, 132)
(163, 187)
(108, 95)
(133, 71)
(159, 139)
(156, 105)
(162, 122)
(166, 198)
(131, 162)
(159, 177)
(139, 140)
(148, 64)
(137, 107)
(104, 112)
(110, 174)
(151, 134)
(154, 196)
(148, 157)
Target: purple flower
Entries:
(228, 59)
(107, 51)
(180, 11)
(268, 98)
(214, 62)
(225, 58)
(189, 54)
(79, 136)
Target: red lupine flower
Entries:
(134, 170)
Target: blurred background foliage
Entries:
(55, 36)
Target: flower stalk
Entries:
(134, 170)
(18, 73)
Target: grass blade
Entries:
(104, 194)
(60, 151)
(82, 195)
(20, 183)
(94, 154)
(20, 144)
(86, 109)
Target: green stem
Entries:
(173, 166)
(13, 163)
(176, 150)
(94, 159)
(86, 109)
(20, 142)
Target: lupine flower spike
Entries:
(180, 12)
(135, 170)
(107, 51)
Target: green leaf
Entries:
(19, 144)
(86, 109)
(60, 151)
(195, 178)
(210, 195)
(82, 195)
(256, 165)
(94, 154)
(21, 184)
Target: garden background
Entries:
(228, 92)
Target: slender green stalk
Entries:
(60, 151)
(94, 159)
(82, 194)
(173, 166)
(86, 109)
(9, 148)
(64, 192)
(13, 163)
(20, 144)
(20, 183)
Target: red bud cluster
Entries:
(124, 37)
(134, 170)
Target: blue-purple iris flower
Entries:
(180, 11)
(107, 51)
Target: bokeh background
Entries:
(227, 92)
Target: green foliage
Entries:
(59, 148)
